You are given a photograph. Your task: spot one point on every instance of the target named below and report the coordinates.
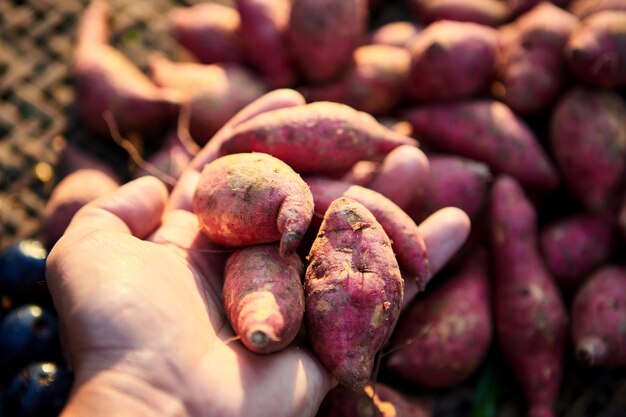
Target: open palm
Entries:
(138, 291)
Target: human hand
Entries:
(138, 290)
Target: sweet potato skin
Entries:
(586, 8)
(442, 338)
(530, 317)
(374, 83)
(399, 34)
(484, 12)
(263, 297)
(214, 93)
(353, 292)
(323, 137)
(487, 131)
(596, 51)
(591, 155)
(169, 161)
(532, 68)
(573, 246)
(598, 315)
(451, 60)
(210, 31)
(254, 198)
(323, 33)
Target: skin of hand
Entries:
(138, 290)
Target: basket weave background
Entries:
(36, 99)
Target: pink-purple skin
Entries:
(588, 140)
(399, 34)
(599, 319)
(454, 181)
(263, 297)
(621, 218)
(210, 31)
(586, 8)
(530, 316)
(484, 12)
(214, 93)
(575, 245)
(519, 7)
(452, 60)
(264, 37)
(406, 239)
(353, 291)
(487, 131)
(532, 69)
(442, 338)
(375, 83)
(323, 34)
(171, 159)
(596, 51)
(318, 138)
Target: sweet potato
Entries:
(451, 60)
(353, 291)
(375, 83)
(323, 33)
(373, 401)
(246, 199)
(323, 138)
(586, 8)
(264, 37)
(210, 31)
(531, 65)
(575, 245)
(487, 131)
(588, 139)
(400, 34)
(442, 338)
(454, 181)
(518, 7)
(215, 93)
(105, 80)
(598, 317)
(406, 240)
(530, 317)
(263, 297)
(484, 12)
(596, 51)
(169, 162)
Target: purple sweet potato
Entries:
(399, 34)
(323, 33)
(588, 139)
(596, 51)
(264, 37)
(518, 7)
(586, 8)
(442, 338)
(484, 12)
(621, 218)
(375, 83)
(573, 246)
(169, 162)
(263, 297)
(454, 181)
(105, 80)
(215, 93)
(373, 401)
(210, 31)
(530, 317)
(598, 317)
(323, 137)
(406, 240)
(531, 63)
(353, 291)
(246, 199)
(452, 60)
(487, 131)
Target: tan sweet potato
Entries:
(484, 12)
(246, 199)
(263, 297)
(400, 34)
(323, 137)
(353, 292)
(586, 8)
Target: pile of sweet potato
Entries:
(512, 111)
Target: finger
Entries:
(444, 233)
(274, 100)
(134, 208)
(182, 194)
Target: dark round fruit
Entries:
(22, 271)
